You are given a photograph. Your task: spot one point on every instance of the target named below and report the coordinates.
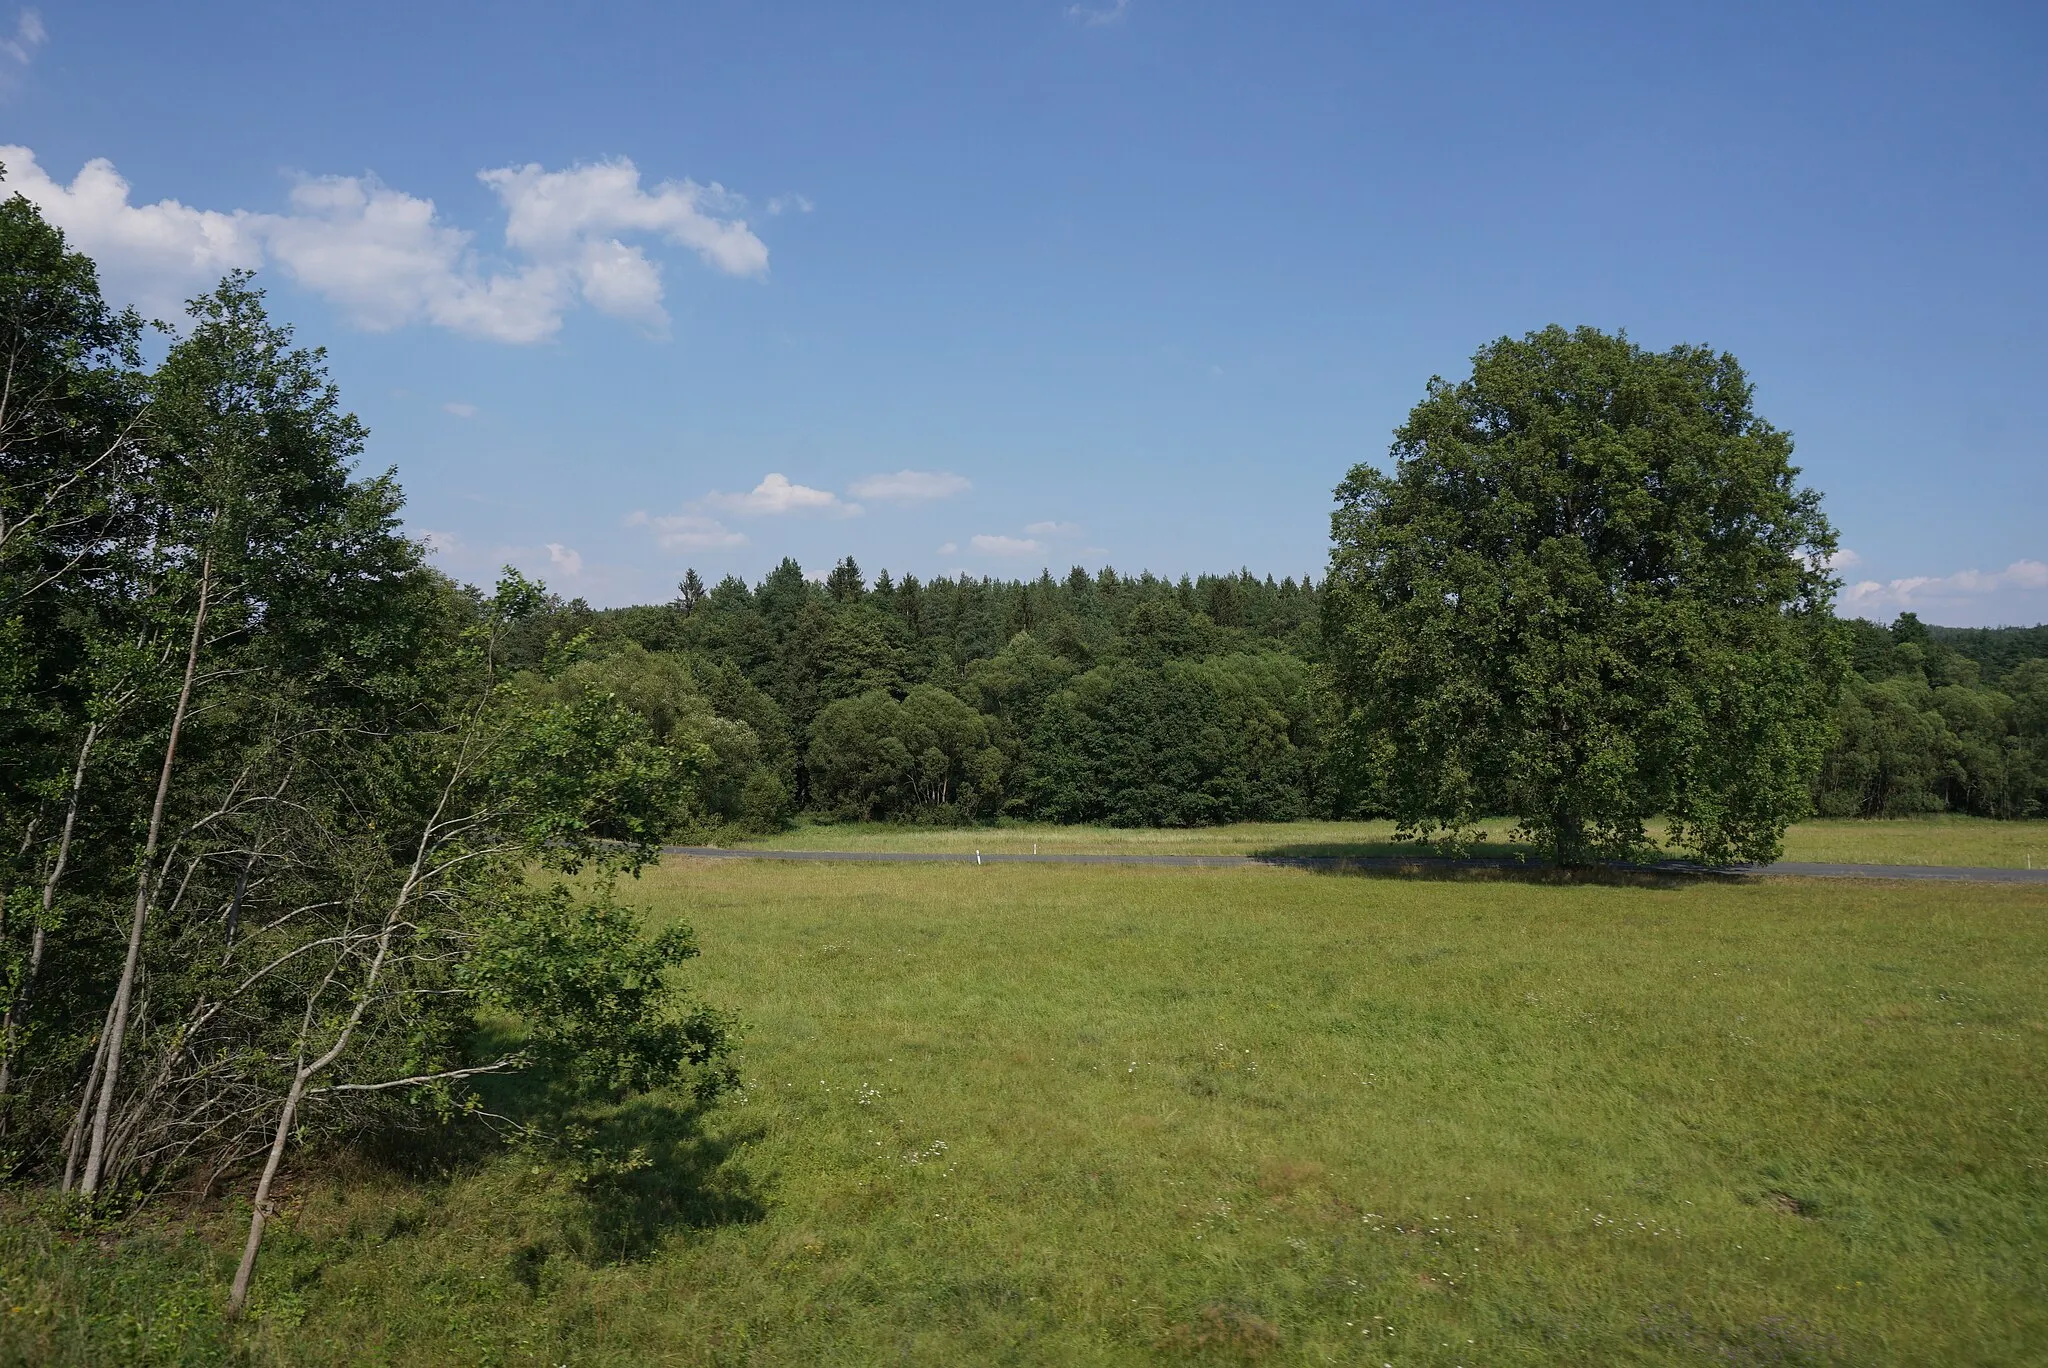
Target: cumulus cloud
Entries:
(1065, 530)
(687, 531)
(1920, 592)
(784, 204)
(29, 35)
(776, 495)
(1005, 546)
(440, 543)
(949, 548)
(910, 486)
(153, 253)
(575, 215)
(1844, 559)
(566, 559)
(459, 409)
(388, 259)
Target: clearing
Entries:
(1044, 1114)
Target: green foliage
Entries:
(1589, 593)
(594, 993)
(713, 758)
(802, 666)
(1995, 650)
(1921, 729)
(1187, 743)
(925, 755)
(274, 820)
(589, 770)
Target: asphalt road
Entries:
(1372, 863)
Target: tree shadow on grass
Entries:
(638, 1170)
(1392, 850)
(1483, 866)
(659, 1171)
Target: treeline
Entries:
(1104, 698)
(280, 830)
(1138, 701)
(1940, 719)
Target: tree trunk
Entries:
(18, 1008)
(124, 992)
(238, 1295)
(76, 1136)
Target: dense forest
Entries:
(1143, 701)
(1094, 698)
(1940, 719)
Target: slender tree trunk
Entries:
(75, 1138)
(238, 1294)
(124, 992)
(234, 918)
(18, 1008)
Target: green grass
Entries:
(1054, 1115)
(1942, 840)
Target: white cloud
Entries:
(574, 216)
(1005, 546)
(775, 495)
(1094, 16)
(911, 486)
(388, 259)
(687, 531)
(949, 548)
(156, 253)
(783, 204)
(695, 529)
(458, 409)
(29, 35)
(1053, 529)
(1919, 592)
(1843, 559)
(566, 559)
(440, 543)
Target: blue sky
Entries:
(986, 287)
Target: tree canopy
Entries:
(1591, 590)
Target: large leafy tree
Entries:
(1592, 591)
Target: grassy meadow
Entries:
(1085, 1115)
(1936, 840)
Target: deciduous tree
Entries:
(1591, 591)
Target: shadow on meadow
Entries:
(1383, 850)
(636, 1171)
(1483, 863)
(659, 1171)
